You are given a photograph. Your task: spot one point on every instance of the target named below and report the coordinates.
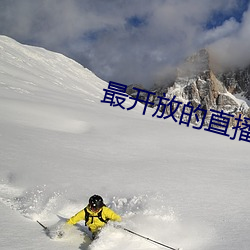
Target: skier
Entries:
(95, 214)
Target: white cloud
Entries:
(233, 50)
(228, 28)
(97, 33)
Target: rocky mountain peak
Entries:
(197, 64)
(196, 82)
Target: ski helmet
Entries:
(96, 202)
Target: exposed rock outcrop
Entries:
(197, 83)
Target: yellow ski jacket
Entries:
(94, 223)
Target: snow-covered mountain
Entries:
(60, 144)
(198, 82)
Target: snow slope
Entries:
(59, 145)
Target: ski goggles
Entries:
(94, 208)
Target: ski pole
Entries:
(146, 238)
(45, 228)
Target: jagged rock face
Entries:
(237, 81)
(196, 83)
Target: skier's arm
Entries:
(110, 214)
(77, 217)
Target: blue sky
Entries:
(218, 17)
(131, 41)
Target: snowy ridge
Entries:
(60, 144)
(32, 63)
